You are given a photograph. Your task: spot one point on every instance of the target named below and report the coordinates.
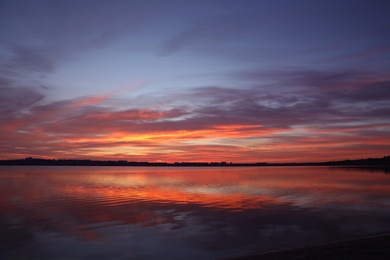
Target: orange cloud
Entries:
(323, 122)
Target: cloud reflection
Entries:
(234, 208)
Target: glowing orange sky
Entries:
(79, 129)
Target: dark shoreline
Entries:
(372, 247)
(369, 163)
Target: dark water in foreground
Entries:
(184, 213)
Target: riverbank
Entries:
(373, 247)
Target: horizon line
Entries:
(210, 163)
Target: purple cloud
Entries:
(14, 100)
(30, 60)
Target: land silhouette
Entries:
(383, 162)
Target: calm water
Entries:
(184, 213)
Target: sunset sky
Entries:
(236, 81)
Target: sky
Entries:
(181, 81)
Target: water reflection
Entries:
(184, 212)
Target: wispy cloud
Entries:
(16, 100)
(30, 60)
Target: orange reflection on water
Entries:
(236, 189)
(235, 201)
(222, 187)
(77, 200)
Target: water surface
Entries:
(184, 213)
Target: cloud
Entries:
(26, 67)
(347, 86)
(371, 91)
(320, 114)
(182, 39)
(30, 60)
(221, 30)
(377, 51)
(13, 99)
